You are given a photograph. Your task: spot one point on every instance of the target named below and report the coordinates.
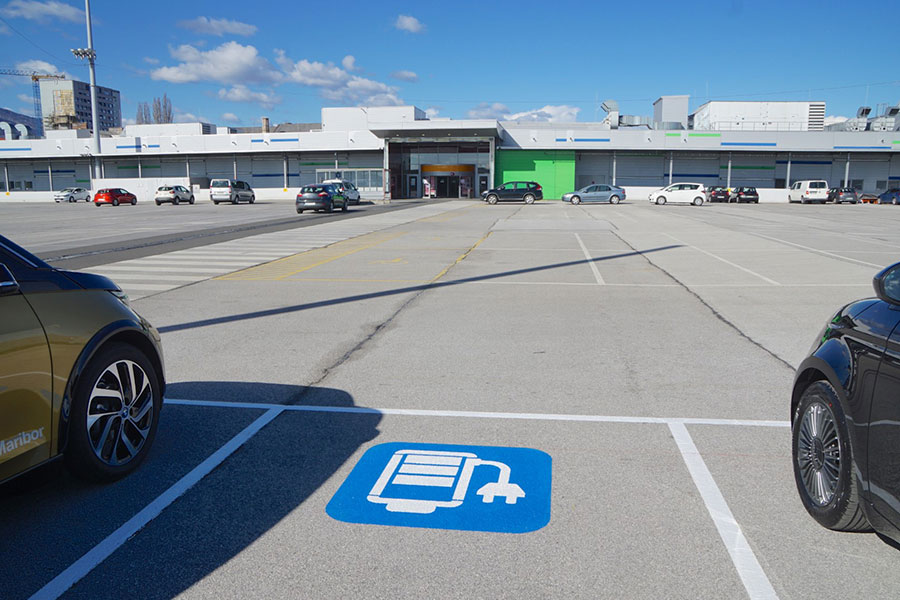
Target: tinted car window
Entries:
(219, 183)
(314, 189)
(817, 184)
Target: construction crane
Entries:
(35, 86)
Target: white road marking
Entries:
(750, 571)
(727, 262)
(590, 260)
(416, 412)
(84, 565)
(817, 251)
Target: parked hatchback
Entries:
(347, 189)
(597, 192)
(82, 373)
(174, 194)
(322, 196)
(842, 194)
(114, 196)
(718, 193)
(744, 194)
(845, 417)
(514, 191)
(890, 197)
(72, 194)
(691, 193)
(230, 190)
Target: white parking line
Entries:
(750, 571)
(84, 565)
(727, 262)
(817, 251)
(590, 259)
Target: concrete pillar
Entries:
(614, 168)
(234, 165)
(787, 176)
(187, 167)
(285, 160)
(6, 176)
(493, 146)
(728, 176)
(50, 174)
(386, 173)
(847, 172)
(102, 168)
(671, 163)
(140, 172)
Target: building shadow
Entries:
(47, 527)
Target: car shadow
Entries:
(51, 523)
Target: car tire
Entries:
(698, 201)
(492, 199)
(191, 199)
(115, 202)
(822, 456)
(216, 202)
(235, 200)
(252, 199)
(613, 199)
(299, 212)
(894, 201)
(330, 207)
(97, 204)
(575, 200)
(529, 198)
(134, 201)
(99, 422)
(158, 203)
(344, 207)
(176, 201)
(70, 199)
(660, 200)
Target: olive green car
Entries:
(81, 374)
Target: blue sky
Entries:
(231, 62)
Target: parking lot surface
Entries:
(648, 351)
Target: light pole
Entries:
(90, 55)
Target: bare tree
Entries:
(162, 109)
(157, 110)
(143, 113)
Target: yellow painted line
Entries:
(298, 263)
(461, 258)
(393, 261)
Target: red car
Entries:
(114, 196)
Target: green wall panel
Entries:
(553, 169)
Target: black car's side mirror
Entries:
(887, 284)
(8, 283)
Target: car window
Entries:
(817, 184)
(219, 183)
(164, 188)
(602, 188)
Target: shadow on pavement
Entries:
(57, 519)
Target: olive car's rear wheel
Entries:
(115, 410)
(492, 199)
(529, 198)
(661, 200)
(823, 462)
(575, 199)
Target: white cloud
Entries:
(410, 24)
(551, 113)
(832, 119)
(128, 121)
(33, 10)
(561, 113)
(227, 63)
(241, 93)
(25, 97)
(186, 117)
(349, 63)
(335, 83)
(151, 61)
(219, 27)
(40, 66)
(405, 76)
(488, 111)
(432, 111)
(230, 118)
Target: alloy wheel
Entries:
(120, 412)
(819, 453)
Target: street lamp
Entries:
(89, 54)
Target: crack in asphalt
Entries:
(715, 312)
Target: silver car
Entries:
(72, 194)
(596, 192)
(230, 190)
(174, 194)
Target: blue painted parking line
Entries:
(438, 486)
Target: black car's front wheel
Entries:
(822, 460)
(492, 199)
(115, 410)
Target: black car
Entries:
(717, 193)
(744, 194)
(515, 191)
(322, 196)
(839, 195)
(845, 416)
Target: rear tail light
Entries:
(539, 188)
(323, 194)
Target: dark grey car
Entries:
(596, 192)
(321, 196)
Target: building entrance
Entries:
(432, 169)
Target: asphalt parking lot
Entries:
(629, 365)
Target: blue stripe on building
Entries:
(44, 171)
(134, 147)
(261, 140)
(804, 162)
(894, 177)
(863, 148)
(749, 144)
(153, 145)
(560, 139)
(15, 149)
(591, 139)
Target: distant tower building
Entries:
(66, 104)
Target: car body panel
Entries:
(76, 194)
(718, 193)
(808, 190)
(681, 192)
(114, 196)
(892, 196)
(596, 192)
(311, 198)
(884, 432)
(230, 190)
(744, 194)
(515, 191)
(169, 193)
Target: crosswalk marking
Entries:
(142, 277)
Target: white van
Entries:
(808, 190)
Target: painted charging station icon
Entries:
(436, 486)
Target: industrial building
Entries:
(66, 104)
(390, 152)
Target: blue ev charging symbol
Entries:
(477, 488)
